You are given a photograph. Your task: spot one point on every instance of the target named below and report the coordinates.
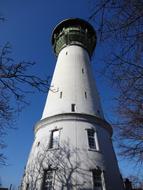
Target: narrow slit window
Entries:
(61, 94)
(73, 107)
(85, 95)
(82, 70)
(66, 52)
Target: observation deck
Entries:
(74, 31)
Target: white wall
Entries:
(73, 77)
(69, 79)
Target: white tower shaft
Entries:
(73, 85)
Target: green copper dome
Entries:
(74, 31)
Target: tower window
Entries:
(73, 107)
(91, 139)
(27, 186)
(97, 180)
(85, 95)
(82, 70)
(48, 180)
(38, 143)
(55, 138)
(66, 52)
(61, 94)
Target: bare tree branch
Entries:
(15, 83)
(120, 24)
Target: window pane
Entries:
(97, 180)
(91, 138)
(55, 137)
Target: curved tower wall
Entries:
(81, 156)
(73, 83)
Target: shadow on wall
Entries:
(58, 168)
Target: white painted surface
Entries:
(73, 77)
(69, 79)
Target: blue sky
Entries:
(28, 28)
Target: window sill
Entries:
(94, 150)
(52, 149)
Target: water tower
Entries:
(73, 148)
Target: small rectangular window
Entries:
(73, 107)
(97, 180)
(91, 139)
(82, 70)
(61, 93)
(55, 138)
(48, 180)
(85, 95)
